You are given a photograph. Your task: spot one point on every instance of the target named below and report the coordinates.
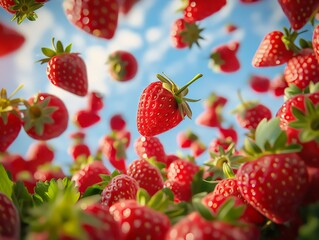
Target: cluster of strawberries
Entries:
(262, 190)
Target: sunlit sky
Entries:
(145, 32)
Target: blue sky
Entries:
(146, 33)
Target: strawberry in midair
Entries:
(122, 65)
(127, 5)
(95, 101)
(85, 118)
(98, 18)
(184, 34)
(10, 39)
(65, 69)
(224, 59)
(46, 116)
(186, 138)
(162, 106)
(278, 85)
(298, 12)
(197, 10)
(117, 122)
(150, 147)
(259, 83)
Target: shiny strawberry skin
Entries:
(275, 178)
(117, 122)
(11, 40)
(148, 147)
(157, 105)
(9, 131)
(182, 170)
(315, 41)
(181, 190)
(252, 116)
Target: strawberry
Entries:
(40, 152)
(182, 191)
(210, 117)
(186, 138)
(48, 172)
(184, 34)
(259, 83)
(148, 176)
(213, 101)
(127, 5)
(117, 122)
(79, 149)
(312, 196)
(197, 10)
(275, 49)
(46, 117)
(65, 69)
(10, 39)
(171, 158)
(298, 12)
(85, 118)
(278, 85)
(89, 175)
(228, 133)
(182, 170)
(9, 219)
(150, 147)
(162, 106)
(14, 163)
(120, 187)
(138, 221)
(229, 28)
(90, 16)
(218, 142)
(224, 59)
(249, 1)
(95, 101)
(301, 69)
(198, 148)
(22, 9)
(315, 41)
(123, 65)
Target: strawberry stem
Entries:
(189, 83)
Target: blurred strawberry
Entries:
(14, 163)
(182, 170)
(85, 118)
(48, 172)
(186, 138)
(117, 122)
(150, 147)
(127, 5)
(90, 16)
(123, 65)
(249, 1)
(218, 142)
(213, 101)
(181, 190)
(229, 28)
(95, 101)
(10, 39)
(228, 133)
(259, 83)
(210, 117)
(223, 58)
(312, 196)
(198, 148)
(278, 85)
(79, 149)
(40, 152)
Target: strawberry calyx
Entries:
(180, 93)
(244, 105)
(25, 9)
(58, 49)
(191, 34)
(117, 65)
(289, 38)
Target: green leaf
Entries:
(251, 148)
(142, 196)
(267, 131)
(200, 185)
(22, 200)
(204, 211)
(68, 48)
(300, 115)
(59, 47)
(228, 212)
(40, 193)
(48, 52)
(281, 140)
(5, 182)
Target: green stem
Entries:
(16, 90)
(189, 83)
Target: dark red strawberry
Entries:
(229, 28)
(312, 196)
(162, 106)
(65, 69)
(123, 65)
(150, 147)
(249, 1)
(10, 39)
(85, 118)
(298, 12)
(186, 138)
(127, 5)
(182, 170)
(95, 101)
(224, 58)
(46, 117)
(181, 190)
(278, 85)
(9, 219)
(117, 122)
(119, 188)
(98, 18)
(78, 150)
(198, 148)
(274, 49)
(148, 176)
(259, 83)
(184, 34)
(197, 10)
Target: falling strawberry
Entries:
(259, 83)
(127, 5)
(46, 117)
(224, 59)
(298, 12)
(278, 85)
(117, 122)
(162, 106)
(98, 18)
(197, 10)
(210, 117)
(10, 39)
(229, 28)
(185, 34)
(85, 118)
(198, 148)
(122, 65)
(95, 101)
(65, 69)
(150, 147)
(186, 138)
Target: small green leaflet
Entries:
(5, 182)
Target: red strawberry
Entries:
(85, 118)
(302, 69)
(40, 152)
(273, 49)
(182, 170)
(230, 27)
(171, 158)
(249, 1)
(181, 190)
(224, 59)
(89, 175)
(213, 101)
(148, 176)
(14, 163)
(315, 41)
(120, 187)
(298, 12)
(95, 101)
(46, 117)
(98, 18)
(162, 106)
(210, 117)
(9, 219)
(123, 65)
(197, 10)
(48, 172)
(259, 83)
(198, 148)
(312, 196)
(186, 138)
(278, 85)
(10, 39)
(79, 149)
(150, 147)
(117, 122)
(140, 222)
(184, 34)
(228, 133)
(65, 69)
(127, 5)
(218, 142)
(22, 9)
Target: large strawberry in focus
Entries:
(65, 69)
(122, 65)
(98, 18)
(162, 106)
(10, 39)
(46, 116)
(224, 59)
(197, 10)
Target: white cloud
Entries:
(126, 40)
(157, 51)
(153, 34)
